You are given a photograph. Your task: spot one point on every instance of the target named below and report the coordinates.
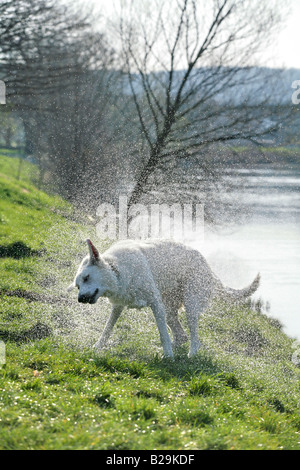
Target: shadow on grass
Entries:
(18, 250)
(181, 367)
(37, 331)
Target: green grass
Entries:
(241, 391)
(266, 154)
(12, 166)
(280, 150)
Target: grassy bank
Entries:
(240, 392)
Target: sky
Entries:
(285, 51)
(288, 52)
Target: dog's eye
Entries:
(86, 278)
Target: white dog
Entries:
(160, 274)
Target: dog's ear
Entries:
(94, 253)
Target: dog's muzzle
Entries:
(87, 299)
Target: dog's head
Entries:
(94, 277)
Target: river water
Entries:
(265, 238)
(261, 234)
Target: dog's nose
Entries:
(83, 299)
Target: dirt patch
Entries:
(35, 297)
(47, 281)
(254, 340)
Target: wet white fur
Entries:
(160, 274)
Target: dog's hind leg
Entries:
(115, 313)
(172, 306)
(159, 312)
(195, 304)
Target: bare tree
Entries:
(74, 130)
(61, 81)
(29, 30)
(191, 68)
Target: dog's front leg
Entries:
(115, 313)
(158, 309)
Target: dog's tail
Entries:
(241, 294)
